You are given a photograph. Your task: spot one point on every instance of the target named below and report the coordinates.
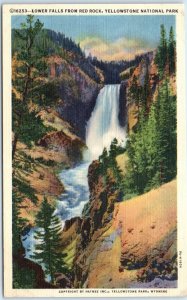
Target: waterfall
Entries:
(102, 128)
(103, 125)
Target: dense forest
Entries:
(151, 147)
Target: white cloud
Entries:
(122, 48)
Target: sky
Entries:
(109, 37)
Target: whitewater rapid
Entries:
(76, 195)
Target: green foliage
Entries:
(43, 44)
(17, 222)
(25, 190)
(146, 91)
(49, 163)
(161, 58)
(70, 252)
(152, 147)
(21, 190)
(167, 133)
(166, 52)
(104, 161)
(29, 30)
(49, 240)
(107, 160)
(27, 125)
(32, 64)
(171, 51)
(134, 91)
(139, 94)
(22, 279)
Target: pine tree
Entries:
(48, 236)
(171, 51)
(134, 91)
(113, 149)
(161, 57)
(103, 162)
(136, 175)
(18, 223)
(167, 133)
(146, 90)
(30, 66)
(152, 148)
(103, 158)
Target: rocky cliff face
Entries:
(136, 247)
(123, 103)
(77, 93)
(145, 69)
(99, 210)
(72, 96)
(60, 142)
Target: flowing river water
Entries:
(102, 127)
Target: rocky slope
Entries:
(37, 166)
(71, 95)
(138, 244)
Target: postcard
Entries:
(94, 150)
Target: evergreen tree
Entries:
(166, 133)
(134, 91)
(161, 57)
(139, 94)
(103, 162)
(136, 149)
(103, 158)
(146, 91)
(27, 126)
(152, 147)
(48, 236)
(113, 149)
(171, 51)
(29, 68)
(31, 60)
(17, 223)
(107, 160)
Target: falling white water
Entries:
(103, 125)
(102, 128)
